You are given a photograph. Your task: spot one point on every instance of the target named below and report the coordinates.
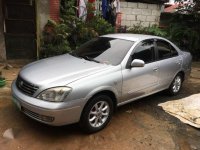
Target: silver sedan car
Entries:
(87, 85)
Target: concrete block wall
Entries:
(140, 14)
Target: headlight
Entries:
(56, 94)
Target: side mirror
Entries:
(137, 63)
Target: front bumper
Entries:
(51, 113)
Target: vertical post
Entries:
(42, 16)
(37, 28)
(2, 39)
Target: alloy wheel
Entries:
(177, 84)
(99, 114)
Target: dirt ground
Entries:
(140, 125)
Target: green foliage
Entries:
(93, 24)
(137, 29)
(54, 41)
(55, 38)
(184, 27)
(101, 26)
(67, 8)
(189, 8)
(71, 31)
(152, 30)
(155, 30)
(94, 27)
(186, 34)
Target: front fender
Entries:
(102, 89)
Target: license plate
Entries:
(16, 103)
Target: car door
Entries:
(169, 62)
(139, 81)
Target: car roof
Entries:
(132, 37)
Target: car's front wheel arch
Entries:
(106, 97)
(109, 93)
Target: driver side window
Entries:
(145, 51)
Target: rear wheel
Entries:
(96, 114)
(176, 85)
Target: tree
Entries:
(192, 7)
(184, 29)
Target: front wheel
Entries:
(176, 85)
(96, 114)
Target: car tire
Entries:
(176, 85)
(96, 114)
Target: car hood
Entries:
(60, 70)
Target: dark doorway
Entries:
(20, 29)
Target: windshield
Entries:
(104, 50)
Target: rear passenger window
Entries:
(145, 51)
(165, 50)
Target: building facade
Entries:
(21, 25)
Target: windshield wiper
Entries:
(73, 54)
(90, 59)
(84, 57)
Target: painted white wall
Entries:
(43, 13)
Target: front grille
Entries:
(37, 116)
(26, 87)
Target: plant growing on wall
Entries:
(184, 27)
(152, 30)
(186, 33)
(2, 79)
(82, 31)
(71, 31)
(55, 39)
